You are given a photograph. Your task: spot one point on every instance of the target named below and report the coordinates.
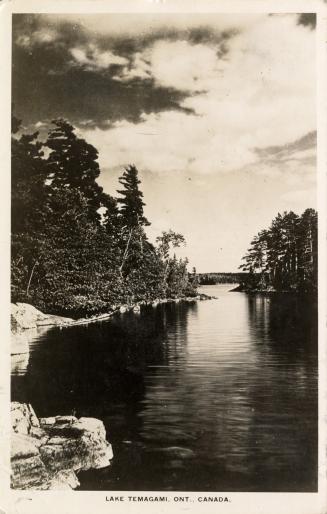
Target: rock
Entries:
(23, 418)
(23, 446)
(48, 452)
(25, 316)
(47, 421)
(64, 419)
(29, 473)
(64, 480)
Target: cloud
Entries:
(202, 94)
(303, 146)
(138, 68)
(175, 64)
(92, 58)
(249, 107)
(42, 36)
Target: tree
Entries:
(111, 219)
(308, 249)
(166, 242)
(69, 256)
(28, 180)
(131, 210)
(28, 199)
(72, 163)
(285, 255)
(132, 217)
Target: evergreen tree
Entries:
(111, 217)
(285, 255)
(132, 220)
(28, 180)
(68, 259)
(131, 210)
(72, 163)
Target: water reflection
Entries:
(217, 395)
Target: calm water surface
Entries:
(217, 395)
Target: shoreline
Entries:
(244, 289)
(48, 453)
(25, 317)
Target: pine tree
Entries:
(131, 210)
(284, 255)
(72, 163)
(28, 180)
(132, 219)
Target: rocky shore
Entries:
(48, 453)
(26, 317)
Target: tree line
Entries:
(76, 250)
(220, 278)
(284, 257)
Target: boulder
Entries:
(23, 418)
(25, 316)
(47, 453)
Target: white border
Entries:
(28, 502)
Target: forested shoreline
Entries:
(213, 278)
(77, 250)
(284, 257)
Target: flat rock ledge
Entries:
(47, 453)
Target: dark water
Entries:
(217, 395)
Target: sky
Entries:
(217, 112)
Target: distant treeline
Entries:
(77, 250)
(284, 257)
(220, 278)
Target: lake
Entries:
(217, 395)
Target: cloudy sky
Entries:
(216, 111)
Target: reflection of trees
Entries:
(284, 398)
(227, 388)
(286, 320)
(99, 369)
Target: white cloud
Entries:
(38, 37)
(261, 94)
(183, 66)
(92, 58)
(138, 68)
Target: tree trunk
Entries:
(30, 279)
(126, 251)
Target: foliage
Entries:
(75, 249)
(284, 257)
(131, 201)
(220, 278)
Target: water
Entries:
(216, 395)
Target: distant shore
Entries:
(243, 288)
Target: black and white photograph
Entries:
(164, 256)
